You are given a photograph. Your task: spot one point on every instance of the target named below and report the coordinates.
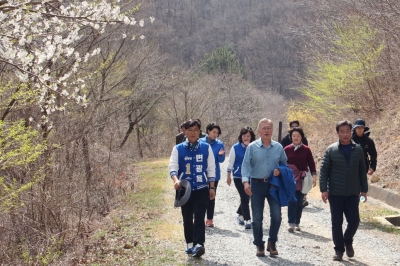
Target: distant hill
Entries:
(257, 30)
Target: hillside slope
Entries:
(383, 131)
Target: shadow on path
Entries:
(315, 237)
(224, 232)
(269, 260)
(312, 209)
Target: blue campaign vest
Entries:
(193, 164)
(239, 156)
(216, 145)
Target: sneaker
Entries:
(305, 203)
(247, 224)
(349, 250)
(198, 251)
(338, 256)
(189, 248)
(297, 227)
(209, 223)
(240, 219)
(291, 228)
(260, 251)
(272, 249)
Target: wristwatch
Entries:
(212, 187)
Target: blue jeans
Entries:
(347, 205)
(295, 209)
(260, 191)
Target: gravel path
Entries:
(230, 244)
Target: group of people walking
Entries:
(266, 169)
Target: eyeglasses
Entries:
(192, 130)
(266, 128)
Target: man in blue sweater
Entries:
(194, 161)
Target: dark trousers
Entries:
(244, 200)
(211, 204)
(193, 213)
(295, 209)
(347, 205)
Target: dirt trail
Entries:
(230, 244)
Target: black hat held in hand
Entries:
(182, 194)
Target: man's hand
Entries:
(277, 172)
(324, 196)
(177, 185)
(370, 171)
(365, 195)
(247, 188)
(212, 194)
(221, 152)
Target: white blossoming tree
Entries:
(47, 51)
(39, 47)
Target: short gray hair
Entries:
(265, 120)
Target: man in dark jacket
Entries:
(360, 136)
(342, 181)
(286, 140)
(181, 136)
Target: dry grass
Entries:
(144, 231)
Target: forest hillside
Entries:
(257, 30)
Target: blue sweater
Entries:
(216, 145)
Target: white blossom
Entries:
(127, 20)
(52, 36)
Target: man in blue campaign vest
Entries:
(194, 161)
